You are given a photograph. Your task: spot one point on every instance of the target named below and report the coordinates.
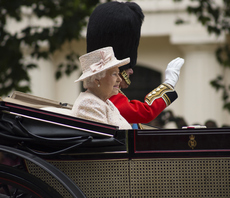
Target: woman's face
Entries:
(109, 85)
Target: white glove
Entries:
(172, 71)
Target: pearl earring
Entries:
(98, 85)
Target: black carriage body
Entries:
(106, 162)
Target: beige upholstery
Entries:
(57, 110)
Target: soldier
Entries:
(118, 24)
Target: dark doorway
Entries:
(143, 81)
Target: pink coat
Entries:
(90, 107)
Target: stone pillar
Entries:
(200, 100)
(43, 80)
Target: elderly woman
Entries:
(101, 79)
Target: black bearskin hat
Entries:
(116, 24)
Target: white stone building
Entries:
(161, 41)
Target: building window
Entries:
(143, 81)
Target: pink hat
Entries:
(98, 61)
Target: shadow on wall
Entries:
(212, 124)
(168, 120)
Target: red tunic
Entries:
(156, 101)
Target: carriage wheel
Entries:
(15, 183)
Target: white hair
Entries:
(89, 82)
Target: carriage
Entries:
(48, 154)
